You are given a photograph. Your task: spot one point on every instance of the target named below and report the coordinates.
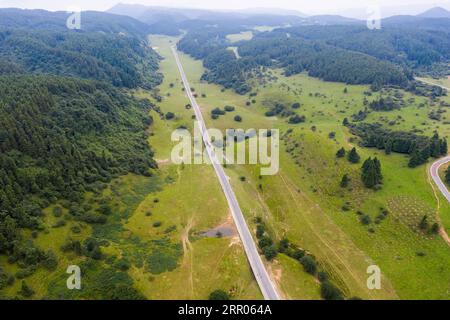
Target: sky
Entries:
(305, 6)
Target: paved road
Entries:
(434, 171)
(262, 277)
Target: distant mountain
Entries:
(273, 11)
(331, 20)
(437, 12)
(170, 20)
(438, 24)
(155, 14)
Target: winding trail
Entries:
(268, 288)
(434, 174)
(433, 84)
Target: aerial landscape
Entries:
(194, 152)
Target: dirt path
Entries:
(189, 254)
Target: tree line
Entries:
(419, 148)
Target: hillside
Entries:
(121, 60)
(92, 21)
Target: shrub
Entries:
(330, 292)
(123, 265)
(164, 259)
(238, 118)
(157, 224)
(297, 119)
(265, 242)
(365, 219)
(270, 252)
(170, 116)
(26, 291)
(219, 295)
(309, 264)
(218, 111)
(57, 211)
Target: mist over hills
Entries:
(437, 12)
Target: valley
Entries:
(88, 179)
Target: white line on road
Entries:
(262, 277)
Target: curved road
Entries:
(262, 277)
(434, 171)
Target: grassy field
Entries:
(304, 201)
(246, 35)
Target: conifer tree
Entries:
(353, 156)
(341, 153)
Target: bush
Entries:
(229, 108)
(157, 224)
(330, 292)
(265, 242)
(123, 265)
(218, 111)
(164, 259)
(322, 276)
(260, 231)
(309, 264)
(297, 119)
(219, 295)
(270, 252)
(170, 116)
(298, 254)
(50, 261)
(365, 220)
(26, 291)
(57, 212)
(238, 118)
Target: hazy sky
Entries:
(307, 6)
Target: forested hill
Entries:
(121, 60)
(68, 125)
(344, 53)
(408, 46)
(294, 54)
(61, 137)
(91, 21)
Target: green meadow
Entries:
(305, 203)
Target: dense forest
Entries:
(223, 67)
(121, 60)
(67, 124)
(56, 21)
(419, 148)
(59, 138)
(409, 47)
(294, 54)
(351, 54)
